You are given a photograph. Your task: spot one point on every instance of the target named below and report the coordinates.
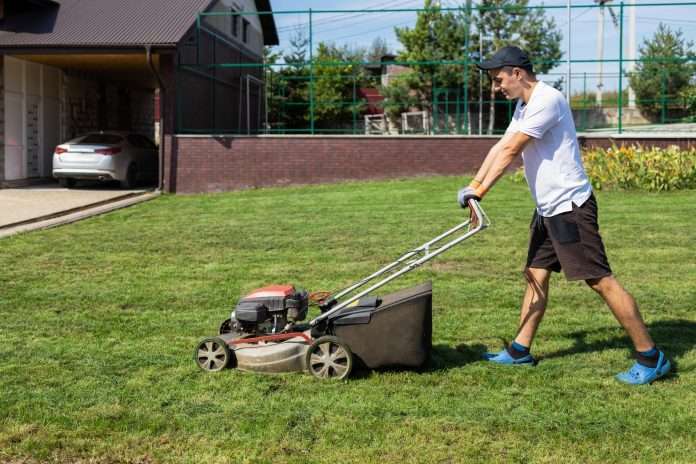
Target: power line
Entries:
(666, 20)
(372, 18)
(345, 17)
(373, 30)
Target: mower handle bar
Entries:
(410, 260)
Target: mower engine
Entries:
(270, 310)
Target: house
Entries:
(72, 66)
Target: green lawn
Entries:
(98, 321)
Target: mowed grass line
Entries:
(98, 321)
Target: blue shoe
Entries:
(503, 357)
(639, 374)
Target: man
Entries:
(564, 233)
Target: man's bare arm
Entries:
(492, 154)
(510, 148)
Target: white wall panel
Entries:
(32, 118)
(13, 74)
(14, 121)
(14, 163)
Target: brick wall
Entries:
(207, 164)
(82, 103)
(32, 132)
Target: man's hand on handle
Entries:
(475, 191)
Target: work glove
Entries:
(474, 191)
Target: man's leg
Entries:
(531, 314)
(625, 309)
(533, 304)
(651, 363)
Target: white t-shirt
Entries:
(552, 163)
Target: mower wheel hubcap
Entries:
(212, 355)
(329, 358)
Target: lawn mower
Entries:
(265, 332)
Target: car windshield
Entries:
(106, 139)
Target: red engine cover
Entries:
(278, 291)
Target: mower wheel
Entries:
(329, 358)
(212, 354)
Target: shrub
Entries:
(653, 169)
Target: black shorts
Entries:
(569, 241)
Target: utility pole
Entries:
(600, 52)
(568, 53)
(631, 50)
(480, 106)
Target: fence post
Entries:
(212, 90)
(198, 38)
(584, 101)
(663, 95)
(355, 104)
(178, 92)
(466, 67)
(621, 70)
(458, 123)
(311, 74)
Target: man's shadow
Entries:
(673, 336)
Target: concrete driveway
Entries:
(29, 208)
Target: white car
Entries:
(120, 156)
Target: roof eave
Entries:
(29, 49)
(270, 32)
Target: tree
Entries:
(437, 36)
(510, 22)
(273, 100)
(291, 92)
(399, 96)
(664, 71)
(440, 35)
(337, 75)
(377, 50)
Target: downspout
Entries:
(160, 165)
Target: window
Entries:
(245, 30)
(140, 141)
(106, 139)
(235, 22)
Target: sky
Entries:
(360, 29)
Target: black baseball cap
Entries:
(507, 56)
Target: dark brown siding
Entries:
(212, 99)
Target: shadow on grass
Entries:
(442, 357)
(675, 337)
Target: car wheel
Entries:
(66, 182)
(131, 177)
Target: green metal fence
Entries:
(222, 91)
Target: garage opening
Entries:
(53, 98)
